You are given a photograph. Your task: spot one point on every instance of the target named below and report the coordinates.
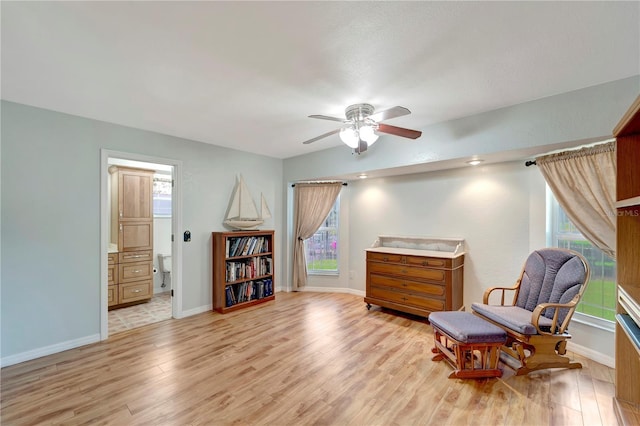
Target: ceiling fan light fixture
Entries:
(349, 136)
(361, 126)
(368, 134)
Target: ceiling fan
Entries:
(361, 124)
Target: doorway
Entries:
(164, 300)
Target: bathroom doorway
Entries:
(162, 284)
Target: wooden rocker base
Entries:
(540, 353)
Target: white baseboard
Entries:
(591, 354)
(333, 290)
(196, 311)
(48, 350)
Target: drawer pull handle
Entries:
(137, 271)
(136, 291)
(135, 256)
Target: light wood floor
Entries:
(306, 358)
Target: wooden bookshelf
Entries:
(627, 399)
(243, 269)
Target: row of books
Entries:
(246, 246)
(250, 290)
(249, 268)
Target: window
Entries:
(322, 248)
(599, 298)
(161, 196)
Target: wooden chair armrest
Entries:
(485, 297)
(539, 310)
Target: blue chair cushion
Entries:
(513, 317)
(466, 327)
(550, 275)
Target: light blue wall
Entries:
(51, 218)
(50, 197)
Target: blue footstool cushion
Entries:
(467, 328)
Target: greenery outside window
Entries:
(322, 248)
(599, 298)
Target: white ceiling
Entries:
(246, 75)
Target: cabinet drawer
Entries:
(428, 261)
(112, 294)
(132, 292)
(407, 299)
(112, 258)
(112, 274)
(424, 289)
(135, 256)
(385, 257)
(436, 275)
(129, 272)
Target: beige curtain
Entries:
(312, 204)
(584, 183)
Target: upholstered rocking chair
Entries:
(550, 286)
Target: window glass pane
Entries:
(161, 196)
(322, 248)
(599, 298)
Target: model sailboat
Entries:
(242, 213)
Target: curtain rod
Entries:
(293, 185)
(530, 163)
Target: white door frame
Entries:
(176, 225)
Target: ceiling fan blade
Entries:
(399, 131)
(396, 111)
(333, 132)
(326, 117)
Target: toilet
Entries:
(164, 263)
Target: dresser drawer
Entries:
(135, 256)
(112, 274)
(133, 292)
(112, 258)
(112, 294)
(424, 289)
(129, 272)
(428, 262)
(436, 275)
(385, 257)
(407, 299)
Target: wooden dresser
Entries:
(414, 279)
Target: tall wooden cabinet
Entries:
(131, 208)
(627, 399)
(131, 236)
(243, 269)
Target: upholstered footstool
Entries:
(470, 344)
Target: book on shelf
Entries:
(247, 246)
(247, 291)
